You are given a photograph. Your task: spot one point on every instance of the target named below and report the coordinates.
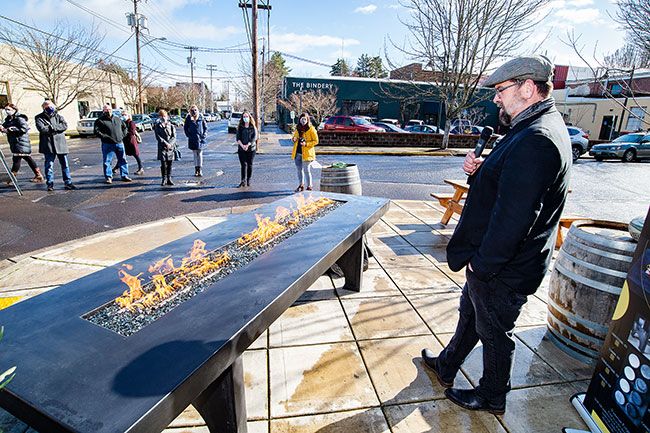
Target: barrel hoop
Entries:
(341, 183)
(559, 340)
(596, 251)
(573, 331)
(600, 240)
(598, 327)
(593, 267)
(586, 281)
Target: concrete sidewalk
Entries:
(340, 361)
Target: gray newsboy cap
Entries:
(536, 68)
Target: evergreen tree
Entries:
(363, 66)
(377, 68)
(279, 64)
(340, 68)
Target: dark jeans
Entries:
(49, 168)
(488, 312)
(116, 149)
(246, 163)
(16, 163)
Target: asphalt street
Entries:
(603, 190)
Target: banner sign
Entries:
(619, 393)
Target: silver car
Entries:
(628, 148)
(579, 141)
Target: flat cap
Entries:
(536, 68)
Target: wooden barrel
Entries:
(342, 180)
(587, 278)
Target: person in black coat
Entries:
(165, 133)
(196, 129)
(111, 131)
(246, 147)
(52, 144)
(505, 236)
(16, 128)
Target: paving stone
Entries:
(398, 372)
(203, 222)
(387, 240)
(380, 227)
(411, 205)
(428, 216)
(357, 421)
(409, 226)
(426, 239)
(437, 254)
(188, 418)
(322, 289)
(34, 274)
(376, 282)
(423, 281)
(528, 368)
(568, 367)
(533, 313)
(253, 427)
(118, 245)
(396, 215)
(439, 310)
(311, 323)
(383, 318)
(440, 416)
(458, 277)
(260, 343)
(256, 384)
(541, 409)
(400, 257)
(318, 379)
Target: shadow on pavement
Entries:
(238, 195)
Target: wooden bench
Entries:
(453, 203)
(76, 376)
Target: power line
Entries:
(101, 17)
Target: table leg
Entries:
(223, 405)
(351, 263)
(458, 196)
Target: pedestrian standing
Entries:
(246, 147)
(506, 233)
(16, 128)
(111, 131)
(196, 129)
(52, 144)
(167, 148)
(132, 142)
(305, 138)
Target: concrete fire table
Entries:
(74, 375)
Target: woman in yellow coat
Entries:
(305, 138)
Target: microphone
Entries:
(483, 140)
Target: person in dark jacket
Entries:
(506, 233)
(167, 148)
(111, 131)
(196, 128)
(52, 144)
(131, 143)
(246, 147)
(16, 128)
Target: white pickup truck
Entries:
(86, 126)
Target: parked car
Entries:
(628, 147)
(216, 117)
(424, 129)
(234, 121)
(142, 122)
(392, 121)
(154, 117)
(414, 122)
(465, 129)
(177, 120)
(86, 126)
(389, 127)
(350, 123)
(579, 141)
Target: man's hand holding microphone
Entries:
(473, 159)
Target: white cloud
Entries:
(578, 16)
(580, 3)
(295, 43)
(394, 6)
(347, 55)
(366, 9)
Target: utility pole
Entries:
(629, 91)
(254, 52)
(137, 22)
(211, 68)
(262, 110)
(191, 60)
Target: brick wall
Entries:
(393, 139)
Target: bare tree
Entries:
(317, 103)
(461, 39)
(126, 83)
(59, 65)
(164, 98)
(634, 17)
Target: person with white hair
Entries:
(52, 144)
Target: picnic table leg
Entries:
(458, 196)
(223, 405)
(351, 263)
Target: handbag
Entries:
(138, 138)
(177, 153)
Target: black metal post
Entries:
(12, 178)
(223, 404)
(351, 263)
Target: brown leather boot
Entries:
(38, 176)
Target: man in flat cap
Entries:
(506, 233)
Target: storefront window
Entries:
(360, 108)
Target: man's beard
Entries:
(504, 118)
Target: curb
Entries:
(392, 153)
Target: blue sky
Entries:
(316, 30)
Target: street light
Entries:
(153, 40)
